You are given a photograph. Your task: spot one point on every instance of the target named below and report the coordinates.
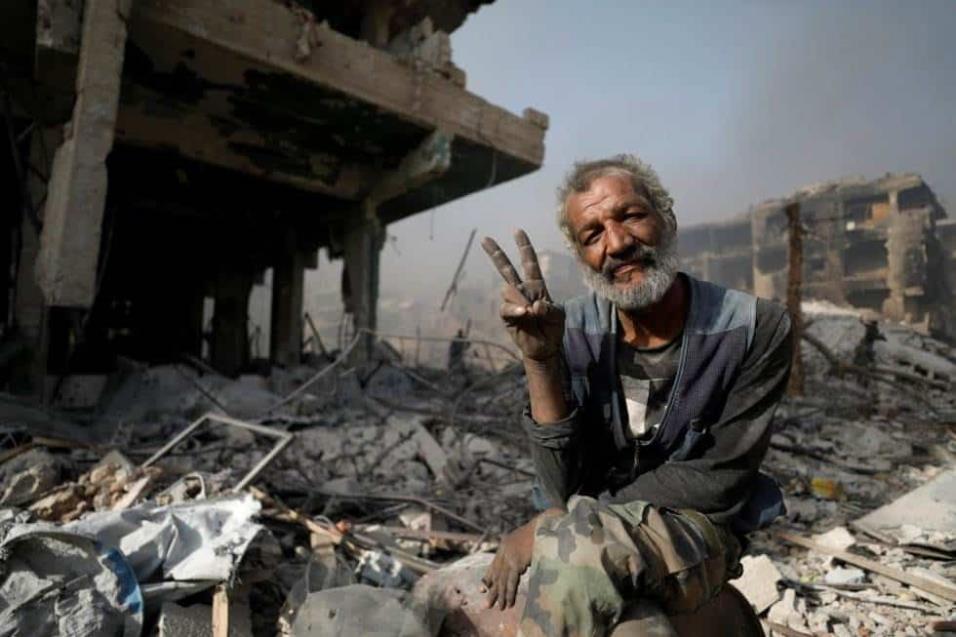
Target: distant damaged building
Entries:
(159, 156)
(884, 245)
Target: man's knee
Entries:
(571, 594)
(606, 555)
(572, 580)
(589, 535)
(585, 558)
(692, 558)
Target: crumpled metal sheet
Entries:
(83, 578)
(58, 583)
(197, 540)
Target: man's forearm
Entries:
(546, 390)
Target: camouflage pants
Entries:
(600, 564)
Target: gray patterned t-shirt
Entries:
(647, 376)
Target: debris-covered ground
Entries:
(859, 439)
(382, 473)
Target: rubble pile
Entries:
(391, 472)
(867, 460)
(328, 497)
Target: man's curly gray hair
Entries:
(645, 180)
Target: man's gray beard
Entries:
(658, 277)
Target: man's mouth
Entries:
(623, 270)
(620, 271)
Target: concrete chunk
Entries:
(837, 538)
(29, 485)
(783, 610)
(27, 477)
(196, 620)
(759, 582)
(840, 576)
(358, 610)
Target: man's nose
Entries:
(618, 238)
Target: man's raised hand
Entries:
(535, 323)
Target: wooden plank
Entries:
(264, 34)
(220, 612)
(70, 242)
(946, 592)
(425, 534)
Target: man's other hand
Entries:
(511, 561)
(535, 323)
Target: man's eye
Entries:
(591, 238)
(636, 216)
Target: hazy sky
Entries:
(732, 102)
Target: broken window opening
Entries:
(772, 259)
(913, 198)
(865, 257)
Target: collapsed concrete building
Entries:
(160, 155)
(885, 245)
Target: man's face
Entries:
(626, 249)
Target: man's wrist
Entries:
(545, 389)
(547, 365)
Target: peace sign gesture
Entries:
(535, 323)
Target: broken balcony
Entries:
(242, 136)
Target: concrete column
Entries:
(191, 320)
(364, 238)
(906, 271)
(29, 314)
(29, 309)
(70, 243)
(230, 322)
(170, 318)
(375, 23)
(288, 278)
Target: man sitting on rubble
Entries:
(651, 401)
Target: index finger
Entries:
(501, 261)
(529, 258)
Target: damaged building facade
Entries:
(885, 245)
(159, 158)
